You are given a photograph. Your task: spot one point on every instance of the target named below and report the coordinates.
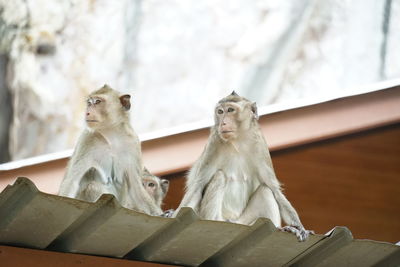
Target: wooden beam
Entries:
(22, 257)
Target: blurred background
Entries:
(177, 58)
(339, 159)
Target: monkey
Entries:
(234, 180)
(157, 188)
(107, 157)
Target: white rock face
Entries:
(340, 50)
(190, 54)
(392, 66)
(177, 58)
(89, 39)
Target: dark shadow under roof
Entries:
(33, 219)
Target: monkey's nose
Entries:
(87, 114)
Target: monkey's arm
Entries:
(77, 171)
(199, 176)
(70, 185)
(195, 183)
(288, 213)
(213, 198)
(193, 192)
(81, 161)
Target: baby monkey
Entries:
(156, 187)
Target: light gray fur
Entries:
(234, 180)
(108, 159)
(161, 189)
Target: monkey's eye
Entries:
(220, 111)
(97, 101)
(231, 109)
(152, 184)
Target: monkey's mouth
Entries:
(227, 134)
(92, 121)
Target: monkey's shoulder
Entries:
(90, 142)
(91, 136)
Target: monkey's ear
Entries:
(125, 101)
(254, 110)
(234, 93)
(146, 171)
(164, 185)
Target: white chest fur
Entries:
(113, 145)
(241, 182)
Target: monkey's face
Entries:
(227, 120)
(234, 116)
(156, 187)
(151, 186)
(95, 111)
(104, 111)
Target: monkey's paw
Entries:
(168, 213)
(301, 233)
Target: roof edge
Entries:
(356, 102)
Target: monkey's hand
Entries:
(168, 213)
(301, 233)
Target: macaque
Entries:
(156, 187)
(107, 157)
(234, 180)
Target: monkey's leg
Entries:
(91, 192)
(69, 188)
(211, 204)
(262, 203)
(91, 185)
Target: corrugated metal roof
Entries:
(33, 219)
